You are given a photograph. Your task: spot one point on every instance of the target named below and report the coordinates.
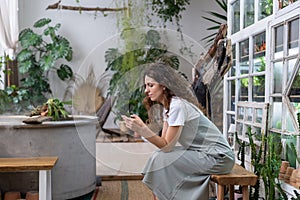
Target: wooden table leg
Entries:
(45, 185)
(220, 192)
(245, 193)
(231, 192)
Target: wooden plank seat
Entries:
(41, 164)
(238, 176)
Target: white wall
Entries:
(87, 32)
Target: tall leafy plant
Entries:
(266, 161)
(124, 83)
(39, 55)
(216, 18)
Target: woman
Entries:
(180, 171)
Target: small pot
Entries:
(12, 195)
(32, 195)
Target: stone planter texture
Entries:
(73, 141)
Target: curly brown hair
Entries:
(174, 82)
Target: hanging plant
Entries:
(169, 10)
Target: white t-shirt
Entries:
(180, 112)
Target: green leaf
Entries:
(25, 66)
(61, 49)
(46, 62)
(24, 32)
(110, 55)
(49, 31)
(152, 38)
(222, 4)
(218, 15)
(64, 72)
(24, 55)
(212, 20)
(214, 28)
(29, 38)
(41, 22)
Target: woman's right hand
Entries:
(136, 124)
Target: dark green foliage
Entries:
(169, 10)
(56, 109)
(216, 19)
(241, 150)
(266, 162)
(125, 84)
(38, 56)
(256, 161)
(297, 196)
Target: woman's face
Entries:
(153, 89)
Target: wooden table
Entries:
(41, 164)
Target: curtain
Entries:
(9, 27)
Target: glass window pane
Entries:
(239, 128)
(258, 89)
(259, 45)
(283, 3)
(233, 67)
(240, 114)
(257, 135)
(244, 67)
(277, 79)
(289, 124)
(265, 8)
(289, 142)
(231, 95)
(278, 42)
(294, 94)
(293, 37)
(244, 57)
(235, 17)
(249, 13)
(249, 114)
(230, 119)
(259, 64)
(276, 113)
(243, 94)
(291, 65)
(259, 59)
(258, 115)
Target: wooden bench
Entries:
(41, 164)
(238, 176)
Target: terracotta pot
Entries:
(284, 166)
(288, 174)
(32, 195)
(12, 195)
(293, 177)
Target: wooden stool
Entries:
(41, 164)
(238, 176)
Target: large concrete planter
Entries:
(73, 141)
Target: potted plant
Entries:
(266, 161)
(39, 55)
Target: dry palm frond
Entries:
(88, 93)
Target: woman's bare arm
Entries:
(166, 142)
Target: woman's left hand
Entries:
(136, 124)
